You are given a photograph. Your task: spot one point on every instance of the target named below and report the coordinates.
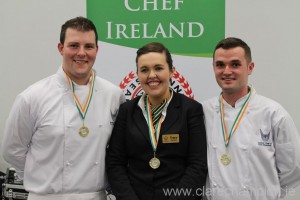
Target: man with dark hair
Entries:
(58, 129)
(253, 144)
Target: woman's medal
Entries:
(154, 163)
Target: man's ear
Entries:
(60, 48)
(250, 68)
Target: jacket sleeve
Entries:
(195, 174)
(116, 161)
(287, 152)
(17, 135)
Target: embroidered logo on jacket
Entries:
(265, 138)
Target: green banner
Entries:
(186, 27)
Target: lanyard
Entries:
(82, 109)
(237, 120)
(154, 131)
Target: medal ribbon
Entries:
(236, 121)
(154, 131)
(82, 109)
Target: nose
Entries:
(152, 73)
(81, 52)
(227, 70)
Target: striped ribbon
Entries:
(156, 111)
(154, 120)
(82, 109)
(237, 120)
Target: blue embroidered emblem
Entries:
(265, 138)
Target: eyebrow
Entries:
(219, 62)
(232, 61)
(72, 42)
(236, 61)
(155, 65)
(142, 67)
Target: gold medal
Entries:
(84, 131)
(154, 163)
(226, 159)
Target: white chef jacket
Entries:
(265, 151)
(41, 136)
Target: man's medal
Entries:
(226, 159)
(84, 131)
(82, 109)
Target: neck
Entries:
(157, 101)
(79, 81)
(232, 97)
(82, 81)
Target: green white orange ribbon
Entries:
(154, 132)
(82, 109)
(237, 119)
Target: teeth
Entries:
(80, 61)
(153, 83)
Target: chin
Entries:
(154, 94)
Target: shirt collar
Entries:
(141, 104)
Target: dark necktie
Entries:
(156, 112)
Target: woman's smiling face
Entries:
(154, 75)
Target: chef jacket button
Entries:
(214, 146)
(96, 163)
(68, 163)
(214, 185)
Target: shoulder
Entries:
(266, 103)
(210, 106)
(104, 84)
(35, 94)
(38, 88)
(263, 100)
(129, 107)
(112, 94)
(131, 103)
(268, 109)
(211, 103)
(269, 103)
